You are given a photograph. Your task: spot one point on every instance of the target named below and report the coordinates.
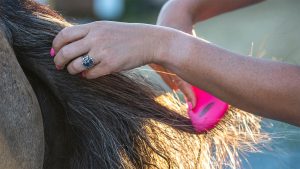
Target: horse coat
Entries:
(21, 125)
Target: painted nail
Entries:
(52, 52)
(83, 74)
(58, 67)
(190, 105)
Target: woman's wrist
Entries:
(174, 48)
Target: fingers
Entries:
(68, 35)
(70, 44)
(115, 46)
(70, 52)
(99, 70)
(188, 92)
(76, 65)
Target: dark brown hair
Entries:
(116, 121)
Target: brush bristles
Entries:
(237, 133)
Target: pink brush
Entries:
(208, 111)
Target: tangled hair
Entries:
(116, 121)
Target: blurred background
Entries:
(269, 30)
(120, 10)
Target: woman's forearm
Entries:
(182, 15)
(266, 88)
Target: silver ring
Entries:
(88, 62)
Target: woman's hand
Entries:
(177, 14)
(113, 46)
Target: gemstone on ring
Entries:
(87, 62)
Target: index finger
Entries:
(68, 35)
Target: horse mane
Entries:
(119, 120)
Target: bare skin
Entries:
(266, 88)
(182, 15)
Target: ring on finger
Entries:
(88, 62)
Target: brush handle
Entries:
(208, 111)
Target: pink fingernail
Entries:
(58, 67)
(52, 52)
(83, 74)
(190, 105)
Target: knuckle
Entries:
(105, 53)
(73, 68)
(85, 42)
(102, 26)
(108, 65)
(63, 53)
(93, 38)
(64, 34)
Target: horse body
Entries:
(21, 125)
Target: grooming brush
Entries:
(208, 111)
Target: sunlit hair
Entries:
(116, 121)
